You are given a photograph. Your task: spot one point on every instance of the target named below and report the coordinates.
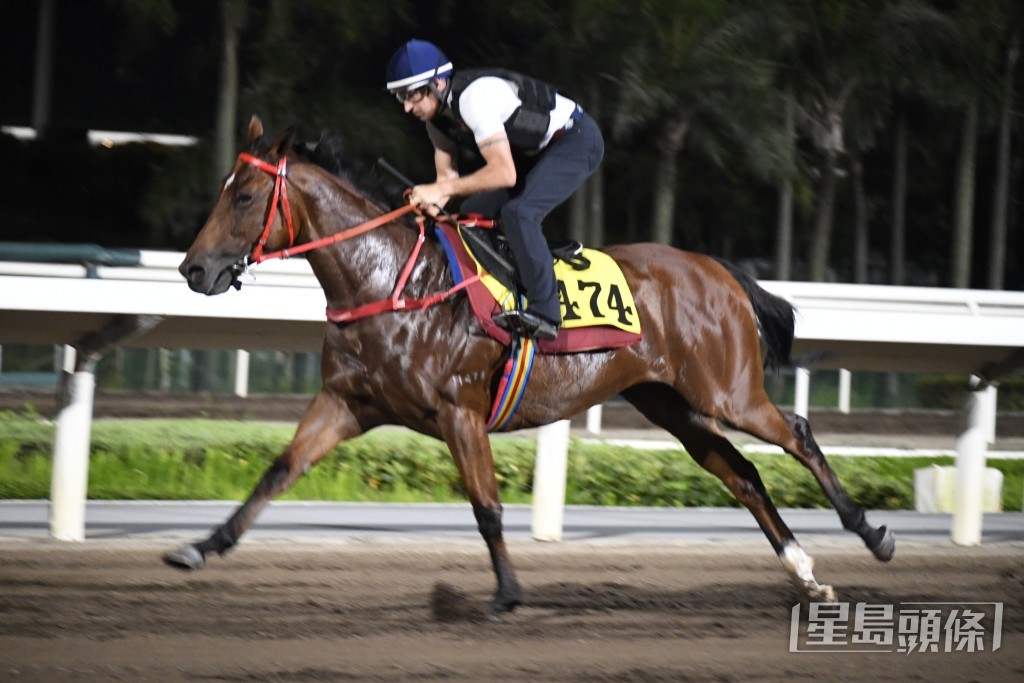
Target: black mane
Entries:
(328, 154)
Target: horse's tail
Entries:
(776, 317)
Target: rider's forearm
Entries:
(490, 177)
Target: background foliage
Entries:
(205, 459)
(851, 140)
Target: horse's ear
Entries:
(255, 129)
(283, 143)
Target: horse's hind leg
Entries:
(326, 422)
(793, 434)
(714, 453)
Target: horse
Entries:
(709, 332)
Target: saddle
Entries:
(597, 306)
(490, 248)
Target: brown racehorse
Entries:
(700, 362)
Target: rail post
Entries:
(242, 373)
(549, 477)
(69, 481)
(594, 419)
(844, 391)
(971, 448)
(802, 392)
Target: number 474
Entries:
(612, 305)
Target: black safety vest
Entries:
(527, 125)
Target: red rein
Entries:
(396, 302)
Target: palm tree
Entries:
(963, 218)
(834, 53)
(841, 59)
(979, 86)
(321, 63)
(907, 66)
(232, 16)
(43, 84)
(1000, 191)
(914, 70)
(580, 63)
(784, 221)
(692, 74)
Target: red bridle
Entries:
(280, 173)
(280, 198)
(396, 302)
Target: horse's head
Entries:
(246, 218)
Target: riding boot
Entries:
(527, 324)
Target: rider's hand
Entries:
(430, 198)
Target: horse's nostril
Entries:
(194, 273)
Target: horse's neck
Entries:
(360, 269)
(367, 267)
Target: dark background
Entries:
(154, 66)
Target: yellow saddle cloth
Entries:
(595, 296)
(597, 305)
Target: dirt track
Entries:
(411, 611)
(378, 611)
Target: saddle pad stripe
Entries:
(451, 255)
(513, 383)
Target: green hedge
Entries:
(212, 460)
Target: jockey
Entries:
(536, 146)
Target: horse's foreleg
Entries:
(326, 422)
(466, 436)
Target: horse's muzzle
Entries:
(211, 281)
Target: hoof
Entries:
(495, 611)
(185, 557)
(503, 604)
(812, 591)
(820, 593)
(884, 544)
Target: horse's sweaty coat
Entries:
(697, 366)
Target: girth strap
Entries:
(513, 382)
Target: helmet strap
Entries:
(441, 95)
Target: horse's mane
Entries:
(328, 153)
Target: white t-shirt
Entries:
(486, 104)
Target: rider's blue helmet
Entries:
(416, 64)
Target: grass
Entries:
(220, 460)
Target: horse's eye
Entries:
(243, 198)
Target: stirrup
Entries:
(526, 324)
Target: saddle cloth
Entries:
(598, 311)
